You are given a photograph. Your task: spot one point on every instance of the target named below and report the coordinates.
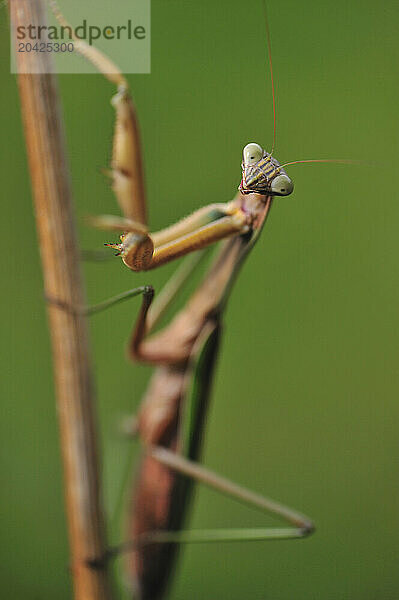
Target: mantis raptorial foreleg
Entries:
(139, 249)
(142, 251)
(126, 165)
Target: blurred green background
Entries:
(305, 401)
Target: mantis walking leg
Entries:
(178, 461)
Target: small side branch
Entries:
(60, 258)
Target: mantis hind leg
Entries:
(302, 526)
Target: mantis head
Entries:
(262, 173)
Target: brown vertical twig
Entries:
(53, 206)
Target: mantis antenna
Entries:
(269, 53)
(337, 161)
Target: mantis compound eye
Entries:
(282, 185)
(252, 154)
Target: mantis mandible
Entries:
(172, 416)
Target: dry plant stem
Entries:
(59, 253)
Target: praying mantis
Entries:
(172, 416)
(173, 412)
